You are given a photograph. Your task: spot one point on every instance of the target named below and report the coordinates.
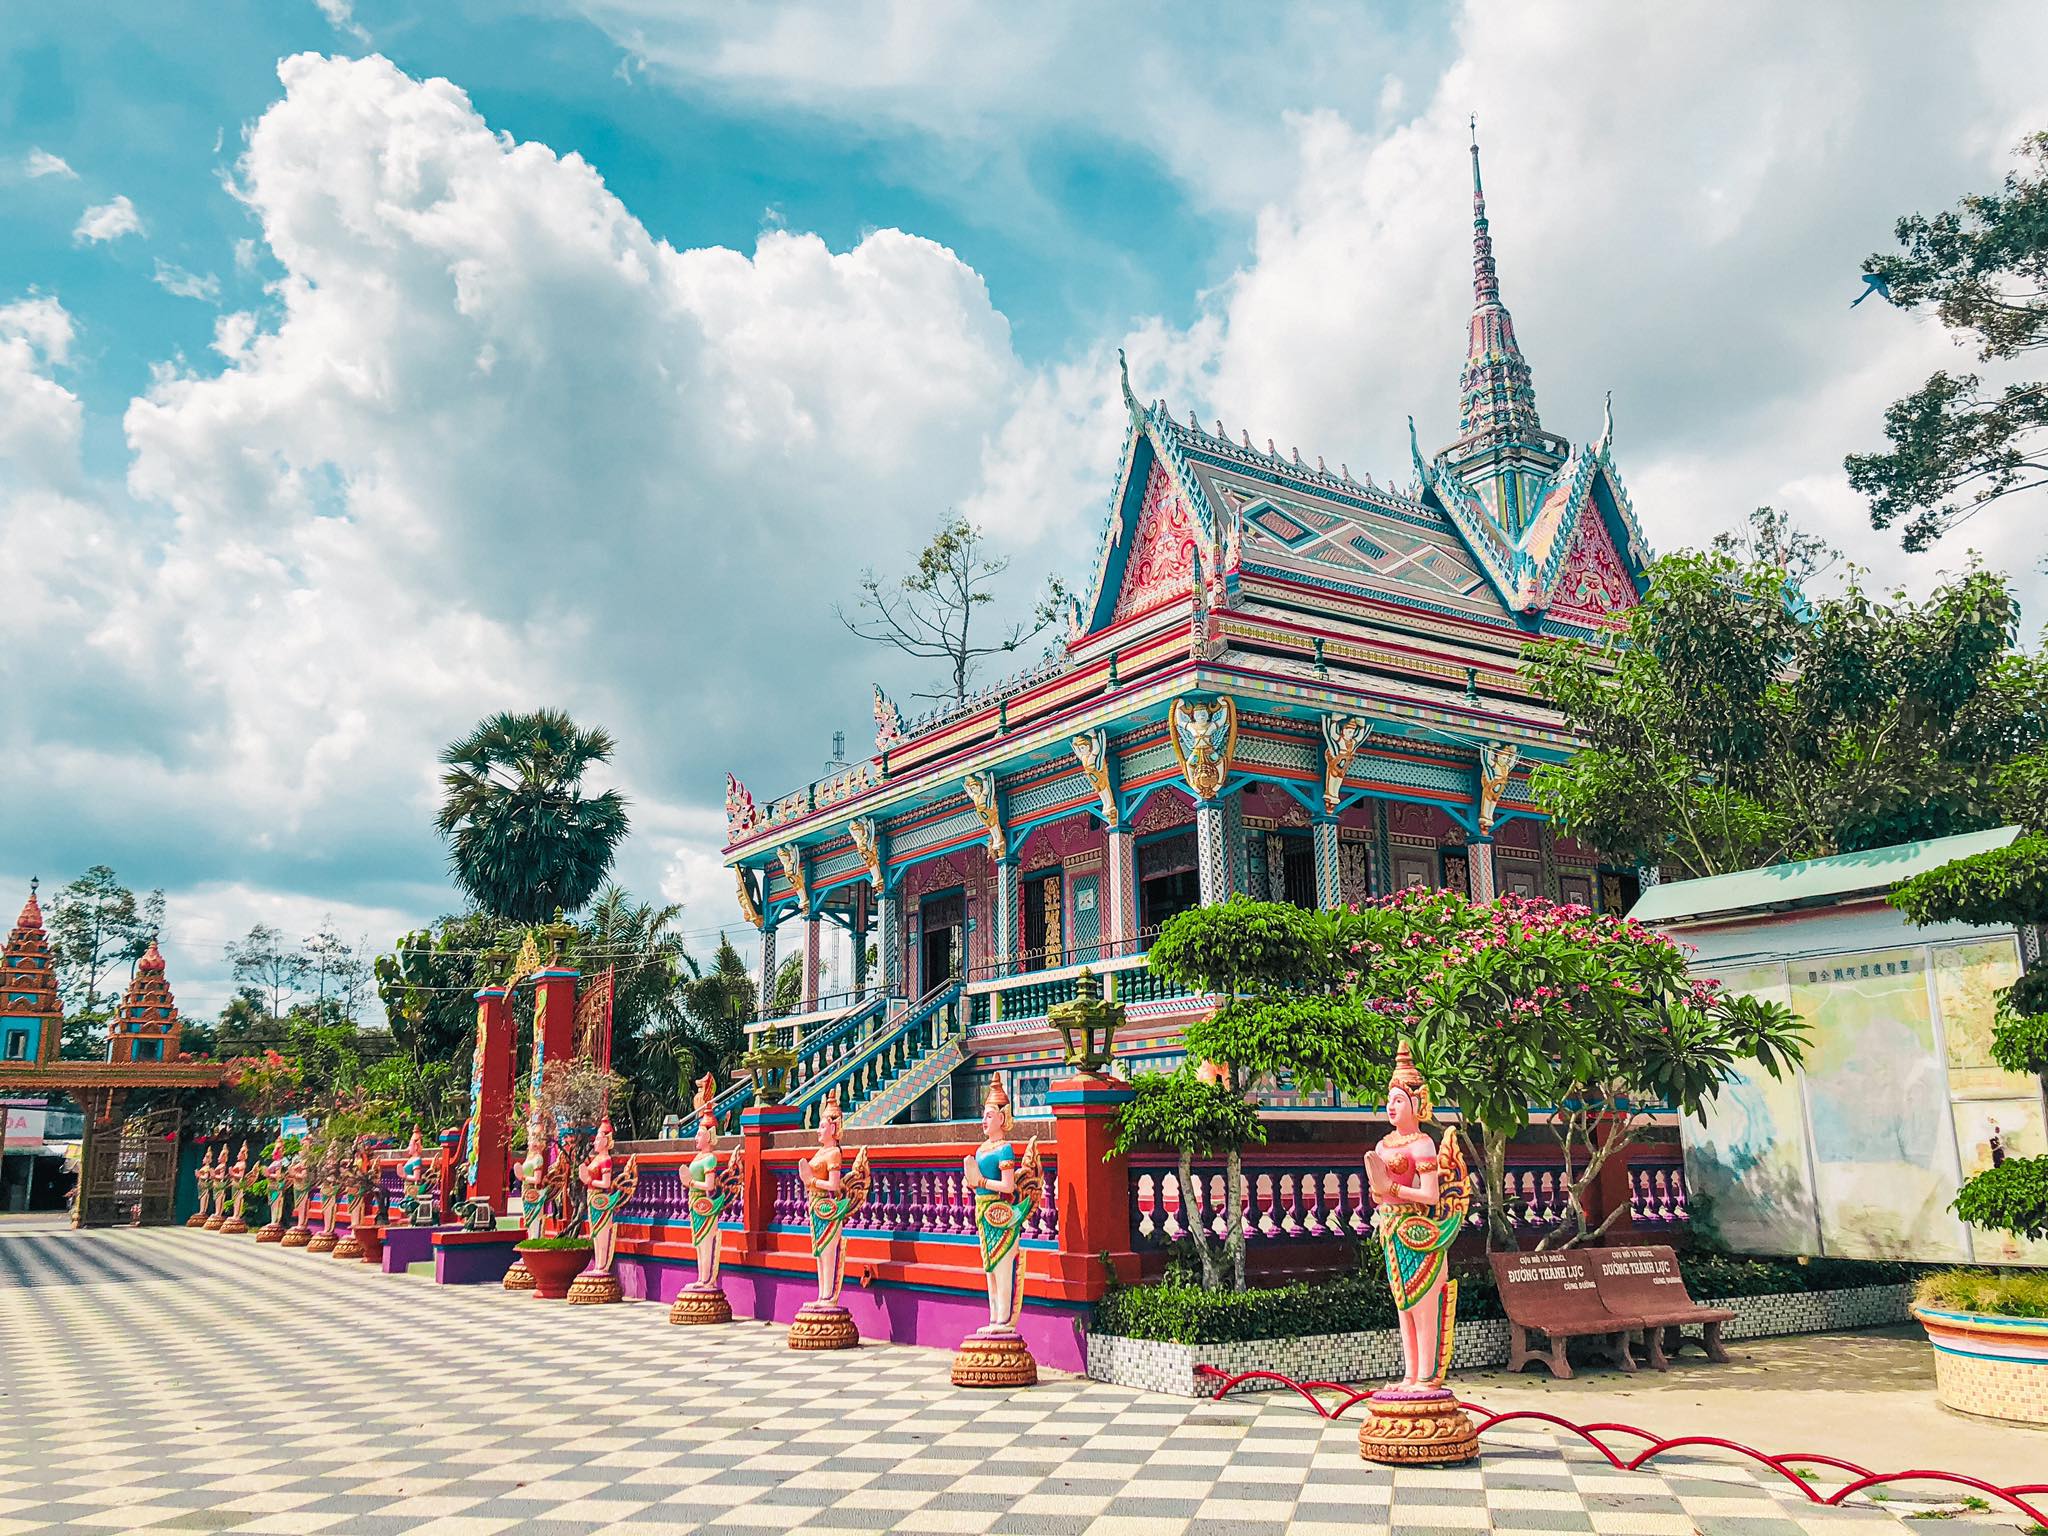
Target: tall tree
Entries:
(1958, 442)
(263, 960)
(337, 969)
(427, 982)
(97, 927)
(651, 1024)
(929, 612)
(523, 838)
(1740, 723)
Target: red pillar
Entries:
(1094, 1193)
(757, 1180)
(490, 1100)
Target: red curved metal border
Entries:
(1861, 1478)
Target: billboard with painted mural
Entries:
(1897, 1103)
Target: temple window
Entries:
(17, 1045)
(1168, 880)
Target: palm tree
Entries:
(671, 1021)
(523, 838)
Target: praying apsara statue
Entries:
(333, 1172)
(1006, 1190)
(836, 1192)
(280, 1195)
(606, 1187)
(299, 1175)
(238, 1181)
(1421, 1194)
(217, 1189)
(711, 1187)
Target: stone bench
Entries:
(1558, 1296)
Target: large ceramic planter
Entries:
(1990, 1366)
(554, 1270)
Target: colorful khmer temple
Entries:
(1278, 679)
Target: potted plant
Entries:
(1989, 1327)
(554, 1263)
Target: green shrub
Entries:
(2010, 1197)
(552, 1244)
(2019, 1041)
(1180, 1311)
(2000, 1293)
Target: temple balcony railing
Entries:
(1011, 993)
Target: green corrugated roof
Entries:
(1810, 881)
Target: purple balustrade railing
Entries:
(916, 1200)
(1308, 1201)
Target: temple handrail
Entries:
(893, 1032)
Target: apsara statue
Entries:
(280, 1197)
(711, 1188)
(415, 1173)
(535, 1197)
(359, 1183)
(1006, 1190)
(836, 1193)
(606, 1187)
(217, 1189)
(299, 1175)
(333, 1173)
(238, 1177)
(1420, 1197)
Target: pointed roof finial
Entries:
(1123, 369)
(1497, 397)
(1607, 425)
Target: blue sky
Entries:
(367, 368)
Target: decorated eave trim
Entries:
(1197, 442)
(1458, 727)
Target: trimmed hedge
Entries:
(1178, 1310)
(551, 1244)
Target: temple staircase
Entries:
(880, 1062)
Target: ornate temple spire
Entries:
(1497, 398)
(147, 1026)
(31, 1017)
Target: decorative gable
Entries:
(1593, 586)
(1161, 564)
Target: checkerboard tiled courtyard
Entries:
(183, 1381)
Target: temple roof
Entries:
(149, 995)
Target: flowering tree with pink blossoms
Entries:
(1521, 1006)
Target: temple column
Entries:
(1211, 853)
(489, 1138)
(1008, 916)
(814, 956)
(766, 998)
(1122, 918)
(1329, 878)
(889, 941)
(1239, 877)
(1479, 868)
(858, 931)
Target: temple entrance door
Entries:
(130, 1172)
(941, 939)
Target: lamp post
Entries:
(1082, 1019)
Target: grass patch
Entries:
(2001, 1293)
(551, 1244)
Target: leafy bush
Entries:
(2011, 1196)
(1179, 1311)
(1979, 1290)
(553, 1244)
(2019, 1041)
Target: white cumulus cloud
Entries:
(174, 279)
(107, 221)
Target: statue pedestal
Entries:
(594, 1288)
(693, 1306)
(994, 1357)
(195, 1220)
(213, 1223)
(1417, 1426)
(322, 1242)
(519, 1277)
(295, 1237)
(234, 1224)
(274, 1233)
(821, 1325)
(347, 1246)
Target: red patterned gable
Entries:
(1593, 588)
(1162, 559)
